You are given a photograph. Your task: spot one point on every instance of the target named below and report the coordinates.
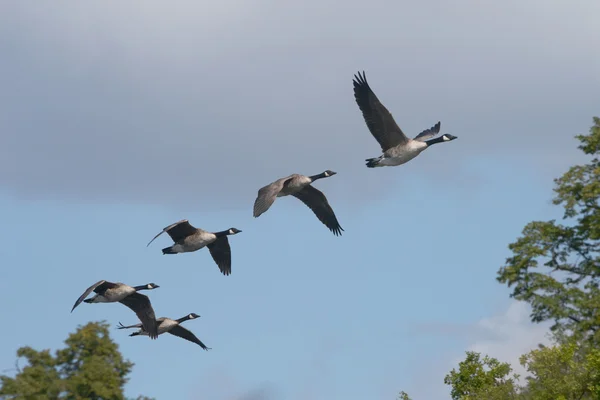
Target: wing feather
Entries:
(183, 333)
(177, 231)
(317, 202)
(428, 133)
(98, 285)
(221, 253)
(141, 306)
(267, 195)
(379, 120)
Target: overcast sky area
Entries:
(119, 118)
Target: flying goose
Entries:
(300, 187)
(188, 239)
(172, 326)
(397, 148)
(109, 292)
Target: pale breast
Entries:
(118, 293)
(297, 183)
(402, 154)
(198, 240)
(166, 325)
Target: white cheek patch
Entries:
(446, 138)
(231, 231)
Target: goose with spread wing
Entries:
(397, 148)
(109, 292)
(300, 187)
(172, 326)
(187, 239)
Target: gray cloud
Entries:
(144, 102)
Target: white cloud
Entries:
(513, 335)
(505, 336)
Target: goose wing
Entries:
(140, 305)
(267, 195)
(121, 326)
(428, 133)
(183, 333)
(379, 120)
(221, 253)
(317, 202)
(177, 231)
(96, 287)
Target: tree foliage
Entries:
(403, 396)
(565, 371)
(89, 367)
(556, 268)
(479, 378)
(567, 290)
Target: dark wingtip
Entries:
(337, 231)
(225, 271)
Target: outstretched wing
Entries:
(267, 195)
(183, 333)
(221, 253)
(177, 231)
(100, 285)
(378, 119)
(121, 326)
(428, 133)
(140, 305)
(317, 202)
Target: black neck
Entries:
(183, 319)
(434, 141)
(315, 177)
(222, 233)
(141, 287)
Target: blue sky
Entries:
(118, 119)
(304, 314)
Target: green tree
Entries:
(89, 367)
(403, 396)
(567, 371)
(564, 371)
(556, 267)
(483, 379)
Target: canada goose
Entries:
(172, 326)
(300, 187)
(109, 292)
(188, 239)
(396, 146)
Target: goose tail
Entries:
(168, 250)
(373, 162)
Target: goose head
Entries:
(233, 231)
(448, 137)
(151, 286)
